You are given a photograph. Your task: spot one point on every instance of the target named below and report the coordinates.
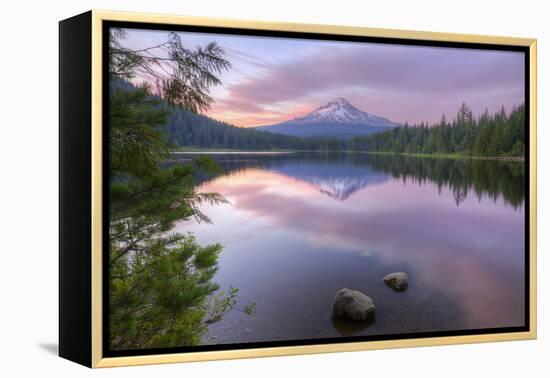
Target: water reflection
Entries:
(301, 227)
(339, 175)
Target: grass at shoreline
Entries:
(418, 155)
(447, 156)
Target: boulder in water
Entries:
(398, 281)
(352, 305)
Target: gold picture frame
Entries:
(93, 24)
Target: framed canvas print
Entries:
(236, 189)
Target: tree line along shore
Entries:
(492, 135)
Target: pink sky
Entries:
(276, 79)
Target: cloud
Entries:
(381, 78)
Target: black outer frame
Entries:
(75, 106)
(75, 189)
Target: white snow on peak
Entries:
(340, 111)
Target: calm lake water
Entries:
(301, 226)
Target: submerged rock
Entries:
(352, 305)
(398, 281)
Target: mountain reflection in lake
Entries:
(301, 226)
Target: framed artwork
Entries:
(236, 189)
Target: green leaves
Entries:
(250, 309)
(161, 292)
(207, 165)
(160, 282)
(162, 289)
(137, 144)
(180, 76)
(206, 257)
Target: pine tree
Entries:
(161, 292)
(490, 135)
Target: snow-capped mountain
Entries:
(338, 118)
(341, 111)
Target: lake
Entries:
(301, 226)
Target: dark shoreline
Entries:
(432, 156)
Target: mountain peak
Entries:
(335, 104)
(341, 111)
(337, 117)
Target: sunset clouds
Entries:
(276, 79)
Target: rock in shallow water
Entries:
(352, 305)
(398, 281)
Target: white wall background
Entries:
(28, 200)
